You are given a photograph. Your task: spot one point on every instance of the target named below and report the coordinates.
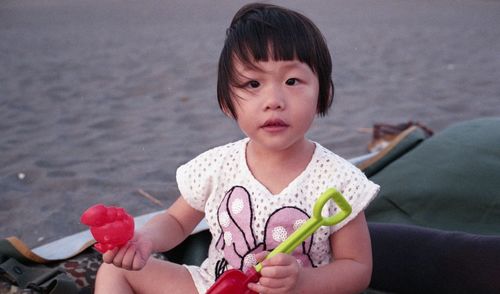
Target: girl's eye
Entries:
(253, 84)
(291, 82)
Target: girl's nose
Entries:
(275, 98)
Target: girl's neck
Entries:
(295, 153)
(275, 169)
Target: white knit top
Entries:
(245, 218)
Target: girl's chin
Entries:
(277, 144)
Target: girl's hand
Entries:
(131, 256)
(279, 274)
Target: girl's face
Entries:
(276, 102)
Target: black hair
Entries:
(259, 32)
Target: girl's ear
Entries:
(331, 93)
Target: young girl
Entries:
(274, 78)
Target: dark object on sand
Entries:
(383, 134)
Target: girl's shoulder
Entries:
(218, 155)
(329, 159)
(339, 171)
(197, 178)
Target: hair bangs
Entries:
(272, 37)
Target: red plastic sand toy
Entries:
(111, 226)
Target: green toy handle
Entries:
(313, 223)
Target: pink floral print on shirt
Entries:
(238, 240)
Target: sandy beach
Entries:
(101, 99)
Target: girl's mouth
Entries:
(274, 125)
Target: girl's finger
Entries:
(261, 256)
(272, 283)
(280, 259)
(118, 260)
(261, 289)
(278, 272)
(257, 288)
(128, 258)
(109, 255)
(139, 262)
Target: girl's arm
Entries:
(351, 268)
(161, 233)
(171, 227)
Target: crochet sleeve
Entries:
(196, 179)
(358, 190)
